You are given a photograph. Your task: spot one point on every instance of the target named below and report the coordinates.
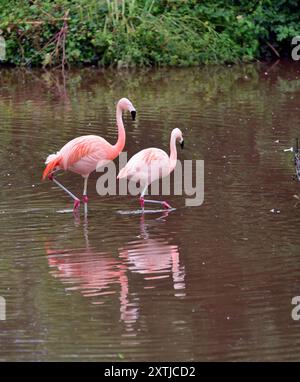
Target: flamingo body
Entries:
(147, 166)
(82, 155)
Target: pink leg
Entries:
(142, 202)
(165, 204)
(85, 197)
(76, 200)
(76, 205)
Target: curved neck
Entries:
(173, 152)
(119, 146)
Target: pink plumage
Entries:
(82, 155)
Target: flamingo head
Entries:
(125, 104)
(178, 136)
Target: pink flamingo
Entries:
(84, 154)
(151, 164)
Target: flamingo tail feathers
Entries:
(122, 173)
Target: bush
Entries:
(146, 32)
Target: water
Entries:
(213, 282)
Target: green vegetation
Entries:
(128, 33)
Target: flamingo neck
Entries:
(173, 152)
(119, 146)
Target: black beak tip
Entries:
(182, 144)
(133, 114)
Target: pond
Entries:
(210, 282)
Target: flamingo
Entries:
(151, 164)
(83, 154)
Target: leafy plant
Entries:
(126, 33)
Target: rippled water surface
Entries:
(213, 282)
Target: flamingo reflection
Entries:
(95, 274)
(154, 259)
(98, 274)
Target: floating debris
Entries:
(275, 211)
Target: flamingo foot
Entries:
(142, 202)
(76, 205)
(85, 199)
(50, 176)
(166, 205)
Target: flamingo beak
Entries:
(182, 144)
(133, 114)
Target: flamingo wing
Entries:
(91, 146)
(81, 155)
(145, 162)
